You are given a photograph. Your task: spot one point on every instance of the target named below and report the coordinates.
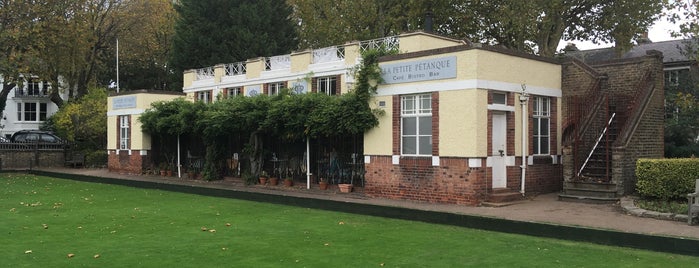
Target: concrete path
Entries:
(541, 209)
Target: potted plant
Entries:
(288, 181)
(191, 172)
(274, 180)
(263, 177)
(345, 187)
(323, 184)
(169, 170)
(163, 168)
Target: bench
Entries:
(76, 160)
(693, 208)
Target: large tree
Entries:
(225, 31)
(534, 26)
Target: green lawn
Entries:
(43, 220)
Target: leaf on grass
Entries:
(70, 255)
(341, 223)
(96, 256)
(204, 228)
(45, 226)
(212, 231)
(228, 224)
(28, 251)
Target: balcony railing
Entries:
(238, 68)
(278, 63)
(205, 73)
(328, 54)
(31, 92)
(390, 42)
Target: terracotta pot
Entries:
(273, 181)
(288, 183)
(163, 173)
(192, 175)
(263, 180)
(323, 185)
(345, 187)
(169, 173)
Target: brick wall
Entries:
(127, 164)
(12, 159)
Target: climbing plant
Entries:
(287, 117)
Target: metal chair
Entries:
(693, 208)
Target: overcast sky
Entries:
(660, 31)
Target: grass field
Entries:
(44, 220)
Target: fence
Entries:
(32, 155)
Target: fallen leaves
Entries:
(28, 251)
(44, 225)
(70, 255)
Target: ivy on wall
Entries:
(288, 117)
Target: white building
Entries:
(28, 106)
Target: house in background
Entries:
(28, 106)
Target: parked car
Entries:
(34, 136)
(3, 139)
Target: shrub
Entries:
(666, 179)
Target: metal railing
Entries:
(389, 42)
(277, 62)
(33, 92)
(328, 54)
(237, 68)
(205, 73)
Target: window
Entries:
(33, 87)
(499, 98)
(275, 88)
(416, 125)
(32, 111)
(204, 96)
(542, 118)
(672, 78)
(327, 85)
(124, 132)
(236, 91)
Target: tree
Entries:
(225, 31)
(535, 26)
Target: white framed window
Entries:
(235, 91)
(32, 111)
(274, 88)
(327, 85)
(542, 125)
(499, 98)
(204, 96)
(124, 133)
(416, 125)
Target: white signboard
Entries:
(124, 102)
(299, 87)
(421, 70)
(251, 91)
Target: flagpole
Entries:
(117, 65)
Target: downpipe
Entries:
(523, 99)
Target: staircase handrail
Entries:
(639, 104)
(596, 143)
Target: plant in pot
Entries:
(163, 168)
(191, 172)
(169, 170)
(345, 187)
(273, 180)
(263, 177)
(323, 183)
(288, 181)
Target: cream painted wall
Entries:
(463, 123)
(300, 61)
(188, 79)
(219, 71)
(352, 53)
(419, 41)
(505, 68)
(254, 67)
(139, 140)
(379, 140)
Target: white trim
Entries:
(144, 152)
(435, 161)
(509, 161)
(475, 162)
(125, 112)
(129, 150)
(395, 159)
(676, 68)
(416, 88)
(265, 80)
(500, 107)
(367, 159)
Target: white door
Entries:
(499, 152)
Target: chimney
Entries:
(428, 22)
(570, 47)
(643, 39)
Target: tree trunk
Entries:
(6, 88)
(256, 160)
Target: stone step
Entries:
(605, 193)
(589, 185)
(504, 195)
(587, 199)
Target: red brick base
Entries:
(453, 181)
(128, 164)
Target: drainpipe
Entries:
(523, 98)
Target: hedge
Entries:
(666, 179)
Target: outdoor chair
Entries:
(693, 208)
(76, 160)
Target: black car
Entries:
(35, 136)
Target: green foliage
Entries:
(174, 117)
(664, 206)
(83, 121)
(666, 179)
(212, 32)
(97, 158)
